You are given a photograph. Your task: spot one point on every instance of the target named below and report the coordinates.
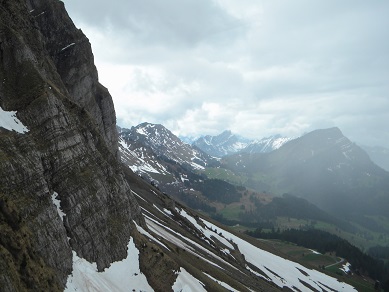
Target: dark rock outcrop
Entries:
(48, 76)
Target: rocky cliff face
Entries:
(47, 75)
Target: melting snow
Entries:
(280, 271)
(57, 203)
(144, 232)
(40, 14)
(68, 46)
(167, 211)
(140, 160)
(208, 231)
(346, 267)
(9, 121)
(195, 165)
(283, 272)
(138, 196)
(171, 236)
(225, 285)
(187, 283)
(123, 276)
(141, 131)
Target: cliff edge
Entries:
(49, 81)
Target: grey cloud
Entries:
(167, 23)
(293, 67)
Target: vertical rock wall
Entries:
(48, 76)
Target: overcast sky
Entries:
(255, 67)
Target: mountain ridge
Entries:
(160, 143)
(322, 162)
(228, 143)
(72, 217)
(380, 155)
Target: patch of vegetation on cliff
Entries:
(20, 263)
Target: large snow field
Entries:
(123, 276)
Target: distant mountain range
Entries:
(322, 166)
(321, 176)
(223, 144)
(158, 155)
(228, 143)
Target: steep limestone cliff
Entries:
(47, 75)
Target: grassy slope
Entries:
(307, 257)
(363, 239)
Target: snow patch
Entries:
(40, 14)
(168, 212)
(68, 46)
(123, 276)
(9, 121)
(141, 131)
(172, 236)
(209, 231)
(57, 203)
(346, 268)
(146, 233)
(139, 196)
(225, 285)
(187, 283)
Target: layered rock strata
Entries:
(48, 76)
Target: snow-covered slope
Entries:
(121, 276)
(210, 259)
(140, 159)
(282, 272)
(266, 144)
(206, 256)
(143, 145)
(161, 158)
